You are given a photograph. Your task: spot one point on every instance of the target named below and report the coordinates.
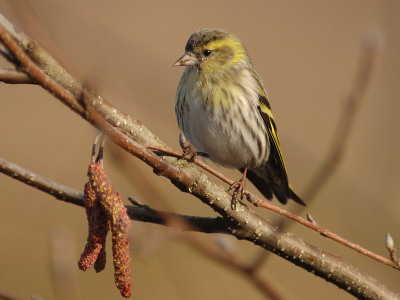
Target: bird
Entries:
(222, 109)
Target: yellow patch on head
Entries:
(230, 48)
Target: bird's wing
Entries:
(275, 156)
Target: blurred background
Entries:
(307, 54)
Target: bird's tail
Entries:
(269, 188)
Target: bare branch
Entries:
(291, 216)
(392, 249)
(142, 213)
(13, 76)
(369, 56)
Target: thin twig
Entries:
(392, 249)
(37, 74)
(353, 102)
(144, 214)
(13, 76)
(257, 201)
(327, 233)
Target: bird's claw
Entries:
(238, 193)
(188, 149)
(189, 152)
(239, 189)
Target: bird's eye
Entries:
(207, 52)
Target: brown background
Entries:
(306, 52)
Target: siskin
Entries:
(223, 110)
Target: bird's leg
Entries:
(239, 189)
(188, 149)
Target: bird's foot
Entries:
(189, 150)
(239, 187)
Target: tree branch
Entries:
(13, 76)
(349, 112)
(291, 216)
(141, 213)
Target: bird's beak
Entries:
(186, 60)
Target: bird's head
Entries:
(213, 51)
